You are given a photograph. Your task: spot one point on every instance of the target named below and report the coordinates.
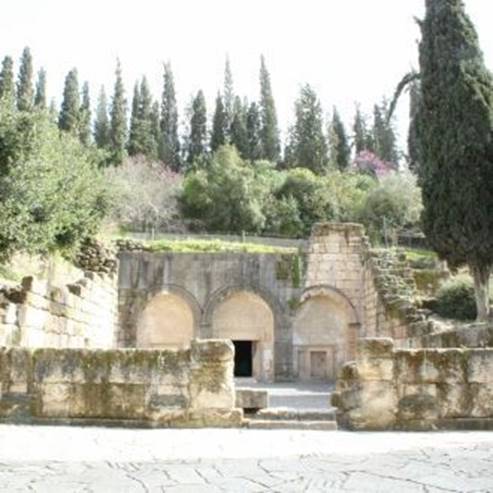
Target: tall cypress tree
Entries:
(40, 95)
(384, 134)
(68, 118)
(85, 116)
(307, 144)
(269, 132)
(7, 85)
(148, 141)
(254, 130)
(118, 125)
(197, 141)
(134, 133)
(340, 152)
(238, 129)
(170, 144)
(25, 86)
(229, 98)
(156, 126)
(360, 132)
(455, 141)
(218, 136)
(102, 123)
(412, 136)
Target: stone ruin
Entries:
(148, 337)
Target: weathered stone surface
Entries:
(252, 399)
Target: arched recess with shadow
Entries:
(325, 332)
(169, 320)
(250, 317)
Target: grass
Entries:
(214, 246)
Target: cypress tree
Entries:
(455, 128)
(360, 132)
(238, 131)
(118, 123)
(218, 136)
(85, 116)
(340, 152)
(25, 87)
(148, 142)
(412, 143)
(155, 126)
(102, 124)
(385, 140)
(269, 132)
(170, 144)
(307, 145)
(40, 95)
(7, 86)
(68, 119)
(254, 129)
(197, 141)
(229, 98)
(134, 134)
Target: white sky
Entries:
(349, 50)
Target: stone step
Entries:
(286, 414)
(277, 424)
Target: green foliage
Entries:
(102, 123)
(269, 132)
(169, 146)
(51, 194)
(455, 299)
(227, 196)
(68, 119)
(385, 141)
(238, 133)
(412, 137)
(118, 125)
(254, 133)
(307, 145)
(219, 123)
(40, 95)
(362, 138)
(393, 204)
(85, 116)
(7, 86)
(197, 142)
(229, 99)
(25, 89)
(340, 152)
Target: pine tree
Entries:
(7, 86)
(307, 145)
(118, 124)
(412, 136)
(218, 136)
(25, 88)
(254, 129)
(238, 129)
(340, 152)
(102, 124)
(85, 116)
(134, 133)
(40, 95)
(455, 128)
(197, 141)
(229, 98)
(269, 132)
(360, 132)
(68, 119)
(169, 150)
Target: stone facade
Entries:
(161, 388)
(43, 313)
(389, 388)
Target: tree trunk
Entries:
(481, 276)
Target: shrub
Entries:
(455, 299)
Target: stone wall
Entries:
(71, 308)
(389, 388)
(161, 388)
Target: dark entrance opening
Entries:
(243, 358)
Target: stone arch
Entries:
(246, 314)
(325, 331)
(169, 319)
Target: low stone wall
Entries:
(48, 313)
(386, 388)
(476, 335)
(162, 388)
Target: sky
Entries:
(348, 50)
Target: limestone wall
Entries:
(48, 312)
(164, 388)
(389, 388)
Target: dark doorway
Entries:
(243, 358)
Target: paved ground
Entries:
(70, 459)
(292, 395)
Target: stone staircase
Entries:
(293, 419)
